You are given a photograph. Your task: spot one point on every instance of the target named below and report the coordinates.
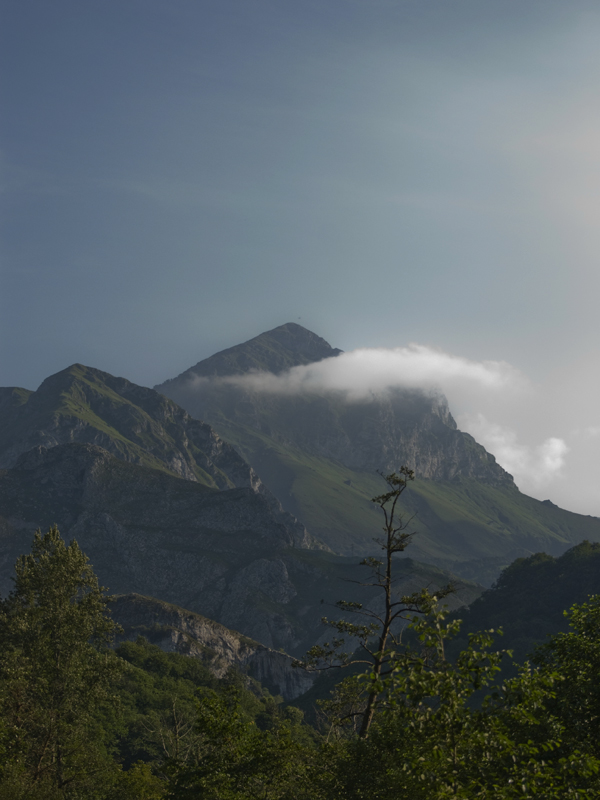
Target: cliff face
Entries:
(405, 427)
(215, 552)
(176, 630)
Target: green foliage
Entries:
(158, 708)
(79, 721)
(55, 670)
(235, 759)
(574, 656)
(529, 597)
(432, 741)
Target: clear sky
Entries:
(180, 175)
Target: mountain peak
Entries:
(286, 346)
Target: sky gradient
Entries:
(178, 176)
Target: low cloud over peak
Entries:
(365, 372)
(491, 400)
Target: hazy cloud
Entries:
(531, 466)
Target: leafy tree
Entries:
(574, 657)
(381, 630)
(433, 740)
(55, 670)
(236, 760)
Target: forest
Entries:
(424, 712)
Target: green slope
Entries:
(464, 525)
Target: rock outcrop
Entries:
(149, 532)
(176, 630)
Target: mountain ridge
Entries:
(133, 422)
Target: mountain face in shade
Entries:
(319, 454)
(227, 555)
(401, 426)
(530, 597)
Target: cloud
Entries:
(531, 466)
(367, 372)
(478, 392)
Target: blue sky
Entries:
(179, 176)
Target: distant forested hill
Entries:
(529, 598)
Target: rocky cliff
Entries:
(149, 532)
(408, 427)
(176, 630)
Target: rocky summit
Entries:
(287, 346)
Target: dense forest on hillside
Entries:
(82, 719)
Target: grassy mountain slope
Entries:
(464, 525)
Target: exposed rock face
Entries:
(223, 554)
(177, 630)
(149, 532)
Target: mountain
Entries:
(228, 555)
(287, 346)
(529, 598)
(82, 404)
(319, 453)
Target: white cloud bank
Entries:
(369, 371)
(478, 392)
